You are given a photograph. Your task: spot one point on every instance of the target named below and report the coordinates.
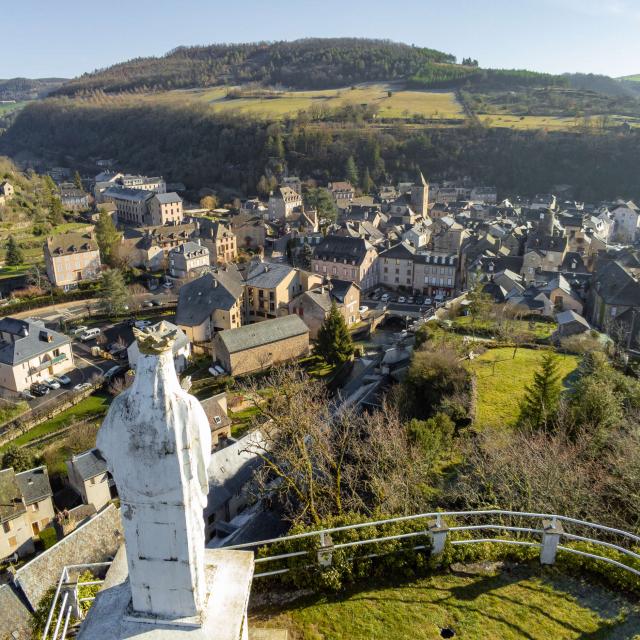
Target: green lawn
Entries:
(68, 226)
(95, 404)
(10, 410)
(242, 420)
(534, 330)
(500, 391)
(524, 603)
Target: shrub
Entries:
(48, 537)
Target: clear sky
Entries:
(47, 38)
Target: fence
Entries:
(549, 533)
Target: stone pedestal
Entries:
(224, 617)
(550, 540)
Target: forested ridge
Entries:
(308, 63)
(193, 145)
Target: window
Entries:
(13, 542)
(92, 481)
(6, 527)
(211, 519)
(449, 282)
(35, 507)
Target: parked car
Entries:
(90, 334)
(83, 386)
(168, 284)
(402, 299)
(52, 383)
(410, 300)
(78, 330)
(147, 304)
(363, 309)
(141, 324)
(64, 380)
(214, 372)
(427, 301)
(116, 347)
(39, 389)
(385, 297)
(109, 375)
(27, 395)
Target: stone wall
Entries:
(268, 355)
(95, 541)
(14, 616)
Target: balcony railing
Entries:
(48, 363)
(550, 533)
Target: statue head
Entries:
(155, 340)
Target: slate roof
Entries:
(539, 242)
(565, 317)
(215, 414)
(340, 288)
(34, 484)
(261, 333)
(400, 251)
(11, 504)
(124, 193)
(31, 339)
(615, 285)
(190, 249)
(232, 468)
(167, 198)
(89, 464)
(264, 275)
(198, 299)
(72, 242)
(342, 248)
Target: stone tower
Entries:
(420, 196)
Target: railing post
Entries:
(550, 540)
(438, 533)
(325, 552)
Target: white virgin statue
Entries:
(157, 444)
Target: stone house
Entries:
(250, 230)
(209, 304)
(545, 252)
(15, 529)
(219, 239)
(26, 508)
(255, 347)
(485, 195)
(163, 209)
(626, 219)
(342, 192)
(149, 247)
(71, 258)
(570, 323)
(270, 287)
(282, 202)
(395, 266)
(435, 275)
(37, 496)
(313, 306)
(6, 191)
(88, 476)
(347, 259)
(187, 259)
(132, 205)
(74, 199)
(562, 296)
(108, 179)
(30, 352)
(219, 421)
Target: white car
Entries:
(52, 383)
(83, 386)
(363, 309)
(402, 299)
(385, 297)
(141, 324)
(214, 372)
(78, 330)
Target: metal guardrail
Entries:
(545, 531)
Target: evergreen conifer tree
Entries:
(14, 255)
(542, 397)
(108, 238)
(351, 171)
(77, 181)
(334, 342)
(113, 292)
(366, 184)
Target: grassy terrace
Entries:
(523, 603)
(93, 405)
(501, 387)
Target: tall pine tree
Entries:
(113, 292)
(334, 342)
(351, 171)
(14, 255)
(542, 397)
(108, 239)
(77, 181)
(366, 183)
